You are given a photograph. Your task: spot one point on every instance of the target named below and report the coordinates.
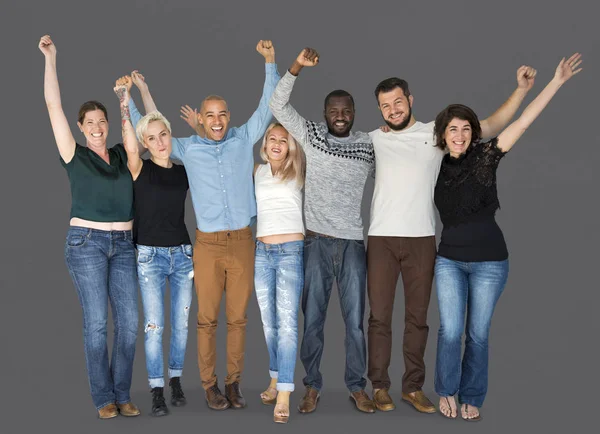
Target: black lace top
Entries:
(467, 200)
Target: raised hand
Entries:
(568, 68)
(124, 81)
(139, 80)
(525, 77)
(308, 57)
(122, 91)
(46, 46)
(190, 116)
(266, 50)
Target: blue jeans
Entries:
(154, 266)
(470, 288)
(325, 260)
(102, 266)
(278, 280)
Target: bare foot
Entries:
(448, 406)
(469, 412)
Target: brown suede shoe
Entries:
(383, 400)
(308, 403)
(234, 395)
(108, 411)
(215, 399)
(128, 409)
(419, 401)
(362, 401)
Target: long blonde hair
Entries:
(294, 165)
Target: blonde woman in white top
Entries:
(279, 263)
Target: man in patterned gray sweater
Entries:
(338, 162)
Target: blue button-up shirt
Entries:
(220, 173)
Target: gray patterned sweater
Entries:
(336, 169)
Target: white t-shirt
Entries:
(278, 204)
(407, 166)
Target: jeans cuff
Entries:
(273, 374)
(285, 387)
(156, 382)
(175, 372)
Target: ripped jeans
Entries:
(154, 266)
(278, 280)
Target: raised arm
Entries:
(565, 70)
(130, 142)
(140, 82)
(60, 126)
(261, 118)
(492, 126)
(280, 101)
(190, 116)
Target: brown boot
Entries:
(128, 409)
(383, 400)
(362, 401)
(215, 399)
(108, 411)
(419, 401)
(308, 403)
(234, 395)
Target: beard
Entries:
(404, 123)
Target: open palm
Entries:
(568, 68)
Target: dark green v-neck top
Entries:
(100, 192)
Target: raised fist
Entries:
(266, 49)
(46, 46)
(526, 76)
(308, 57)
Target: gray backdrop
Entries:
(544, 338)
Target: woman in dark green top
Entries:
(99, 250)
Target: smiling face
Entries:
(457, 136)
(339, 115)
(214, 117)
(276, 145)
(94, 127)
(396, 108)
(157, 139)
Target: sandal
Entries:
(281, 413)
(449, 408)
(471, 419)
(269, 396)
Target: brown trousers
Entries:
(387, 257)
(223, 261)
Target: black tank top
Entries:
(159, 206)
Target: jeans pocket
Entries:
(188, 251)
(145, 254)
(76, 240)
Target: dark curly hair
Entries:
(451, 112)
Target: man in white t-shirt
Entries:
(402, 232)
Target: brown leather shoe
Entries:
(362, 401)
(234, 395)
(308, 403)
(383, 400)
(215, 399)
(128, 409)
(419, 401)
(108, 411)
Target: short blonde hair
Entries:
(142, 125)
(294, 165)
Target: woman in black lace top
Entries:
(472, 264)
